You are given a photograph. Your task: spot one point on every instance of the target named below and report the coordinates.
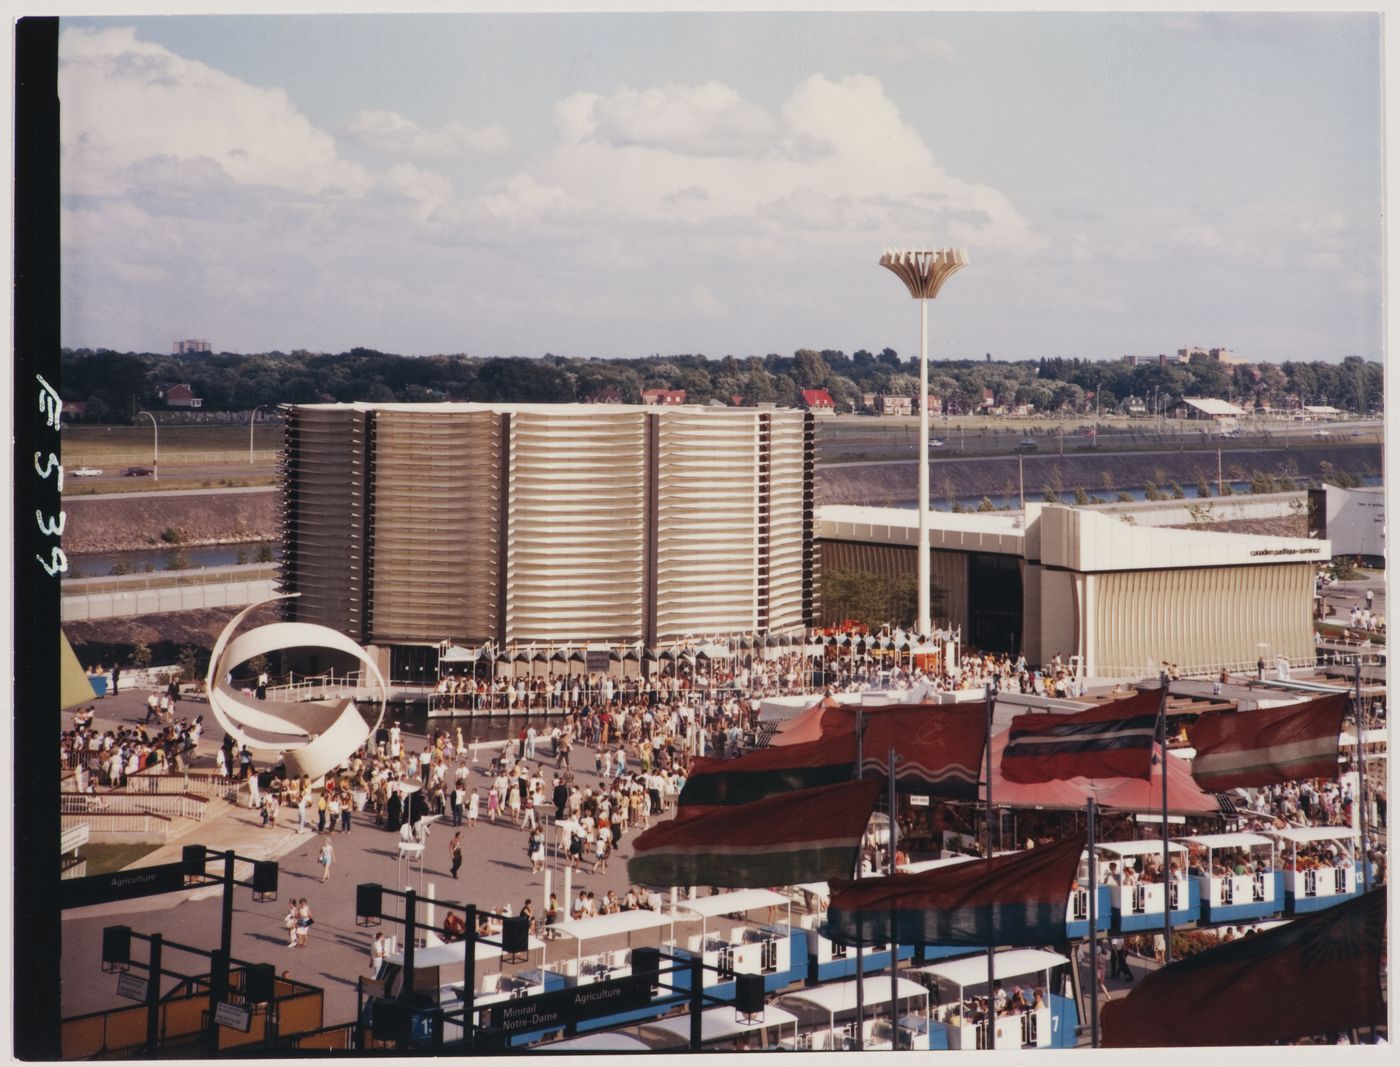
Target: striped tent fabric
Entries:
(767, 772)
(812, 835)
(1268, 745)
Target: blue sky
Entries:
(618, 185)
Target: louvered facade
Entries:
(550, 524)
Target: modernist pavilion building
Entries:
(414, 524)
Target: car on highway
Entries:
(86, 472)
(1028, 444)
(1322, 433)
(137, 472)
(935, 443)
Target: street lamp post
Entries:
(155, 445)
(252, 421)
(923, 272)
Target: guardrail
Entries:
(146, 826)
(1247, 669)
(172, 805)
(200, 783)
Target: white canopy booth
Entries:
(728, 933)
(826, 1015)
(602, 945)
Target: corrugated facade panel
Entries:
(434, 551)
(788, 560)
(947, 572)
(324, 506)
(1200, 616)
(708, 522)
(575, 526)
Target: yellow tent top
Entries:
(73, 685)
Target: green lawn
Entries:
(132, 444)
(103, 859)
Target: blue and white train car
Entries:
(1320, 866)
(747, 931)
(1140, 906)
(826, 1016)
(582, 952)
(961, 1002)
(829, 960)
(1227, 896)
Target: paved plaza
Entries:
(495, 872)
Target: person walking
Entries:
(378, 953)
(291, 921)
(347, 802)
(473, 806)
(536, 851)
(325, 859)
(456, 848)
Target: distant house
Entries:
(663, 396)
(894, 405)
(180, 396)
(1320, 411)
(933, 404)
(74, 409)
(818, 400)
(193, 347)
(1199, 407)
(867, 401)
(1133, 405)
(610, 395)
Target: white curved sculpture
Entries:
(314, 736)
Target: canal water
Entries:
(172, 557)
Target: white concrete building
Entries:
(1069, 581)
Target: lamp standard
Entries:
(252, 420)
(155, 446)
(923, 272)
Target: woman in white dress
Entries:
(473, 804)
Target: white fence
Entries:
(77, 607)
(108, 828)
(174, 805)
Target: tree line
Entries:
(114, 385)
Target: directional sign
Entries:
(232, 1016)
(567, 1007)
(918, 801)
(121, 885)
(132, 986)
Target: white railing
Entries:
(151, 827)
(317, 687)
(180, 805)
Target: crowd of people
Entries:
(108, 758)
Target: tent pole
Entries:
(860, 949)
(991, 945)
(894, 956)
(1361, 797)
(1093, 932)
(1167, 882)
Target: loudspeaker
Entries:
(369, 902)
(259, 982)
(265, 878)
(646, 962)
(515, 935)
(192, 859)
(116, 944)
(748, 993)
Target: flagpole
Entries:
(1167, 882)
(860, 948)
(1361, 774)
(1093, 932)
(894, 957)
(991, 940)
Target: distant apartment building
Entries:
(191, 348)
(413, 524)
(1159, 360)
(1220, 355)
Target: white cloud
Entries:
(388, 131)
(126, 101)
(700, 120)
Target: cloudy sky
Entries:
(620, 185)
